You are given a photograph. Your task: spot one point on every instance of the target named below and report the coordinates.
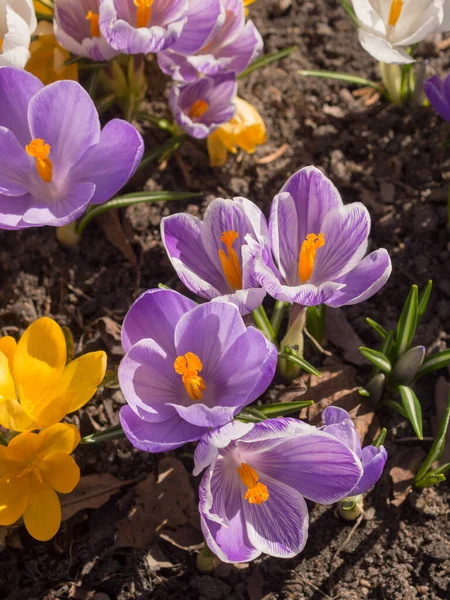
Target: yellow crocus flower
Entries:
(245, 130)
(45, 8)
(33, 467)
(48, 59)
(37, 388)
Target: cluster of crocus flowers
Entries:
(55, 160)
(38, 387)
(17, 24)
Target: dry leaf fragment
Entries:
(265, 160)
(112, 228)
(402, 475)
(93, 491)
(340, 333)
(110, 332)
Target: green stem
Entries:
(265, 60)
(346, 78)
(114, 433)
(171, 145)
(279, 310)
(262, 322)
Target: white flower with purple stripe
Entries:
(252, 495)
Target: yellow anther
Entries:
(143, 12)
(257, 492)
(1, 44)
(93, 17)
(39, 150)
(230, 260)
(307, 255)
(188, 366)
(198, 109)
(395, 12)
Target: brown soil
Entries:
(391, 159)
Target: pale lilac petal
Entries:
(333, 415)
(279, 526)
(203, 20)
(345, 230)
(158, 437)
(440, 101)
(365, 280)
(13, 114)
(373, 460)
(100, 164)
(206, 416)
(246, 300)
(155, 315)
(346, 433)
(208, 448)
(15, 165)
(286, 244)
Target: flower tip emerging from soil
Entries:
(37, 388)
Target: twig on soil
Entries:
(309, 583)
(316, 343)
(344, 543)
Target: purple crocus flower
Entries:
(438, 93)
(210, 257)
(252, 493)
(318, 245)
(76, 25)
(201, 107)
(142, 26)
(54, 158)
(339, 424)
(187, 368)
(231, 47)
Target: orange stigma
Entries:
(39, 150)
(92, 17)
(198, 109)
(395, 12)
(188, 366)
(230, 261)
(143, 12)
(307, 256)
(257, 492)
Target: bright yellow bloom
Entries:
(45, 9)
(247, 3)
(48, 58)
(33, 467)
(246, 130)
(37, 388)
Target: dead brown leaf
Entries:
(111, 335)
(112, 228)
(93, 491)
(368, 94)
(402, 475)
(441, 392)
(265, 160)
(255, 584)
(339, 332)
(164, 508)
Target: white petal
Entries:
(383, 50)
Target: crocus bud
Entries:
(351, 507)
(408, 365)
(375, 387)
(207, 561)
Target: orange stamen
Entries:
(257, 492)
(395, 12)
(93, 17)
(188, 366)
(39, 150)
(198, 109)
(230, 261)
(307, 255)
(143, 12)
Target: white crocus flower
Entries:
(17, 23)
(388, 27)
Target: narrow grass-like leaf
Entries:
(279, 310)
(315, 321)
(379, 440)
(171, 145)
(265, 60)
(412, 408)
(406, 327)
(378, 359)
(430, 480)
(388, 346)
(437, 448)
(377, 327)
(345, 77)
(424, 297)
(349, 10)
(396, 406)
(435, 362)
(114, 433)
(298, 360)
(284, 408)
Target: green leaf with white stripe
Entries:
(412, 408)
(378, 359)
(377, 327)
(434, 362)
(406, 327)
(424, 297)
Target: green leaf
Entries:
(114, 433)
(363, 392)
(424, 298)
(434, 362)
(387, 346)
(129, 200)
(251, 415)
(263, 324)
(298, 360)
(378, 328)
(430, 480)
(279, 310)
(349, 10)
(345, 77)
(396, 406)
(437, 448)
(406, 327)
(377, 358)
(284, 408)
(265, 60)
(412, 408)
(315, 321)
(171, 145)
(379, 440)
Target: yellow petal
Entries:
(7, 385)
(61, 472)
(13, 416)
(61, 438)
(14, 497)
(8, 346)
(76, 386)
(217, 151)
(7, 467)
(39, 363)
(24, 447)
(42, 516)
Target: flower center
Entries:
(395, 12)
(307, 255)
(92, 17)
(143, 12)
(230, 261)
(39, 150)
(188, 366)
(257, 492)
(32, 468)
(198, 109)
